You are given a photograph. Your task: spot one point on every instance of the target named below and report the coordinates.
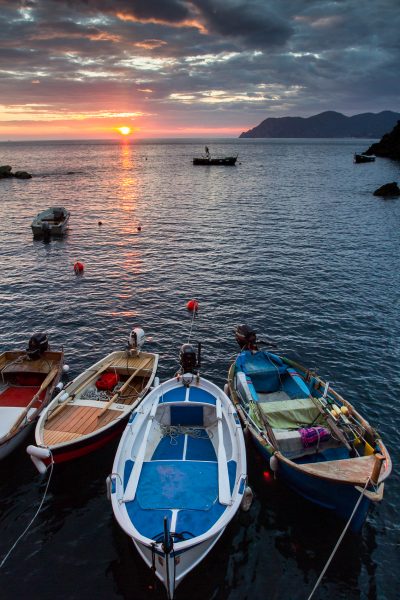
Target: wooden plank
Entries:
(350, 470)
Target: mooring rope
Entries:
(191, 323)
(33, 518)
(339, 540)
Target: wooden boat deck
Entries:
(350, 470)
(76, 421)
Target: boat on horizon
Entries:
(28, 379)
(94, 408)
(179, 474)
(206, 159)
(52, 222)
(311, 437)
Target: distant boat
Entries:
(363, 158)
(179, 474)
(95, 407)
(310, 436)
(27, 381)
(206, 159)
(51, 222)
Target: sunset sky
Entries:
(175, 68)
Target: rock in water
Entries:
(5, 171)
(22, 175)
(389, 189)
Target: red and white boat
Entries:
(28, 379)
(95, 407)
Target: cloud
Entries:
(235, 61)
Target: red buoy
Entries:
(192, 305)
(78, 267)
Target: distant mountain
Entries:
(329, 124)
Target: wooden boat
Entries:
(179, 474)
(94, 408)
(363, 158)
(311, 437)
(51, 222)
(27, 381)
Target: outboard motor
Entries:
(136, 339)
(187, 359)
(246, 337)
(37, 345)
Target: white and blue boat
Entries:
(311, 437)
(179, 474)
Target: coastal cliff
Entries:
(388, 146)
(328, 124)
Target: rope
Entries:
(191, 324)
(339, 540)
(33, 518)
(174, 431)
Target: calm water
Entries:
(291, 241)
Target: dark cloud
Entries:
(236, 61)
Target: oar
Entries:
(84, 384)
(123, 388)
(44, 385)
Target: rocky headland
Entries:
(389, 145)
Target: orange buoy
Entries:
(139, 227)
(78, 267)
(192, 305)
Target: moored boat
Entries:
(179, 474)
(27, 381)
(311, 437)
(52, 222)
(363, 158)
(94, 408)
(206, 159)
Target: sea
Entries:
(290, 241)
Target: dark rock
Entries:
(389, 189)
(389, 146)
(22, 175)
(5, 171)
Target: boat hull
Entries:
(338, 498)
(229, 161)
(172, 569)
(179, 475)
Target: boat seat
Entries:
(290, 414)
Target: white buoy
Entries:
(65, 368)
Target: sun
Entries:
(124, 130)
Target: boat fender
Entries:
(109, 487)
(39, 464)
(36, 455)
(38, 452)
(156, 382)
(226, 389)
(64, 396)
(273, 463)
(247, 499)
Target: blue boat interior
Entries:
(180, 479)
(271, 391)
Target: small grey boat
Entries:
(51, 222)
